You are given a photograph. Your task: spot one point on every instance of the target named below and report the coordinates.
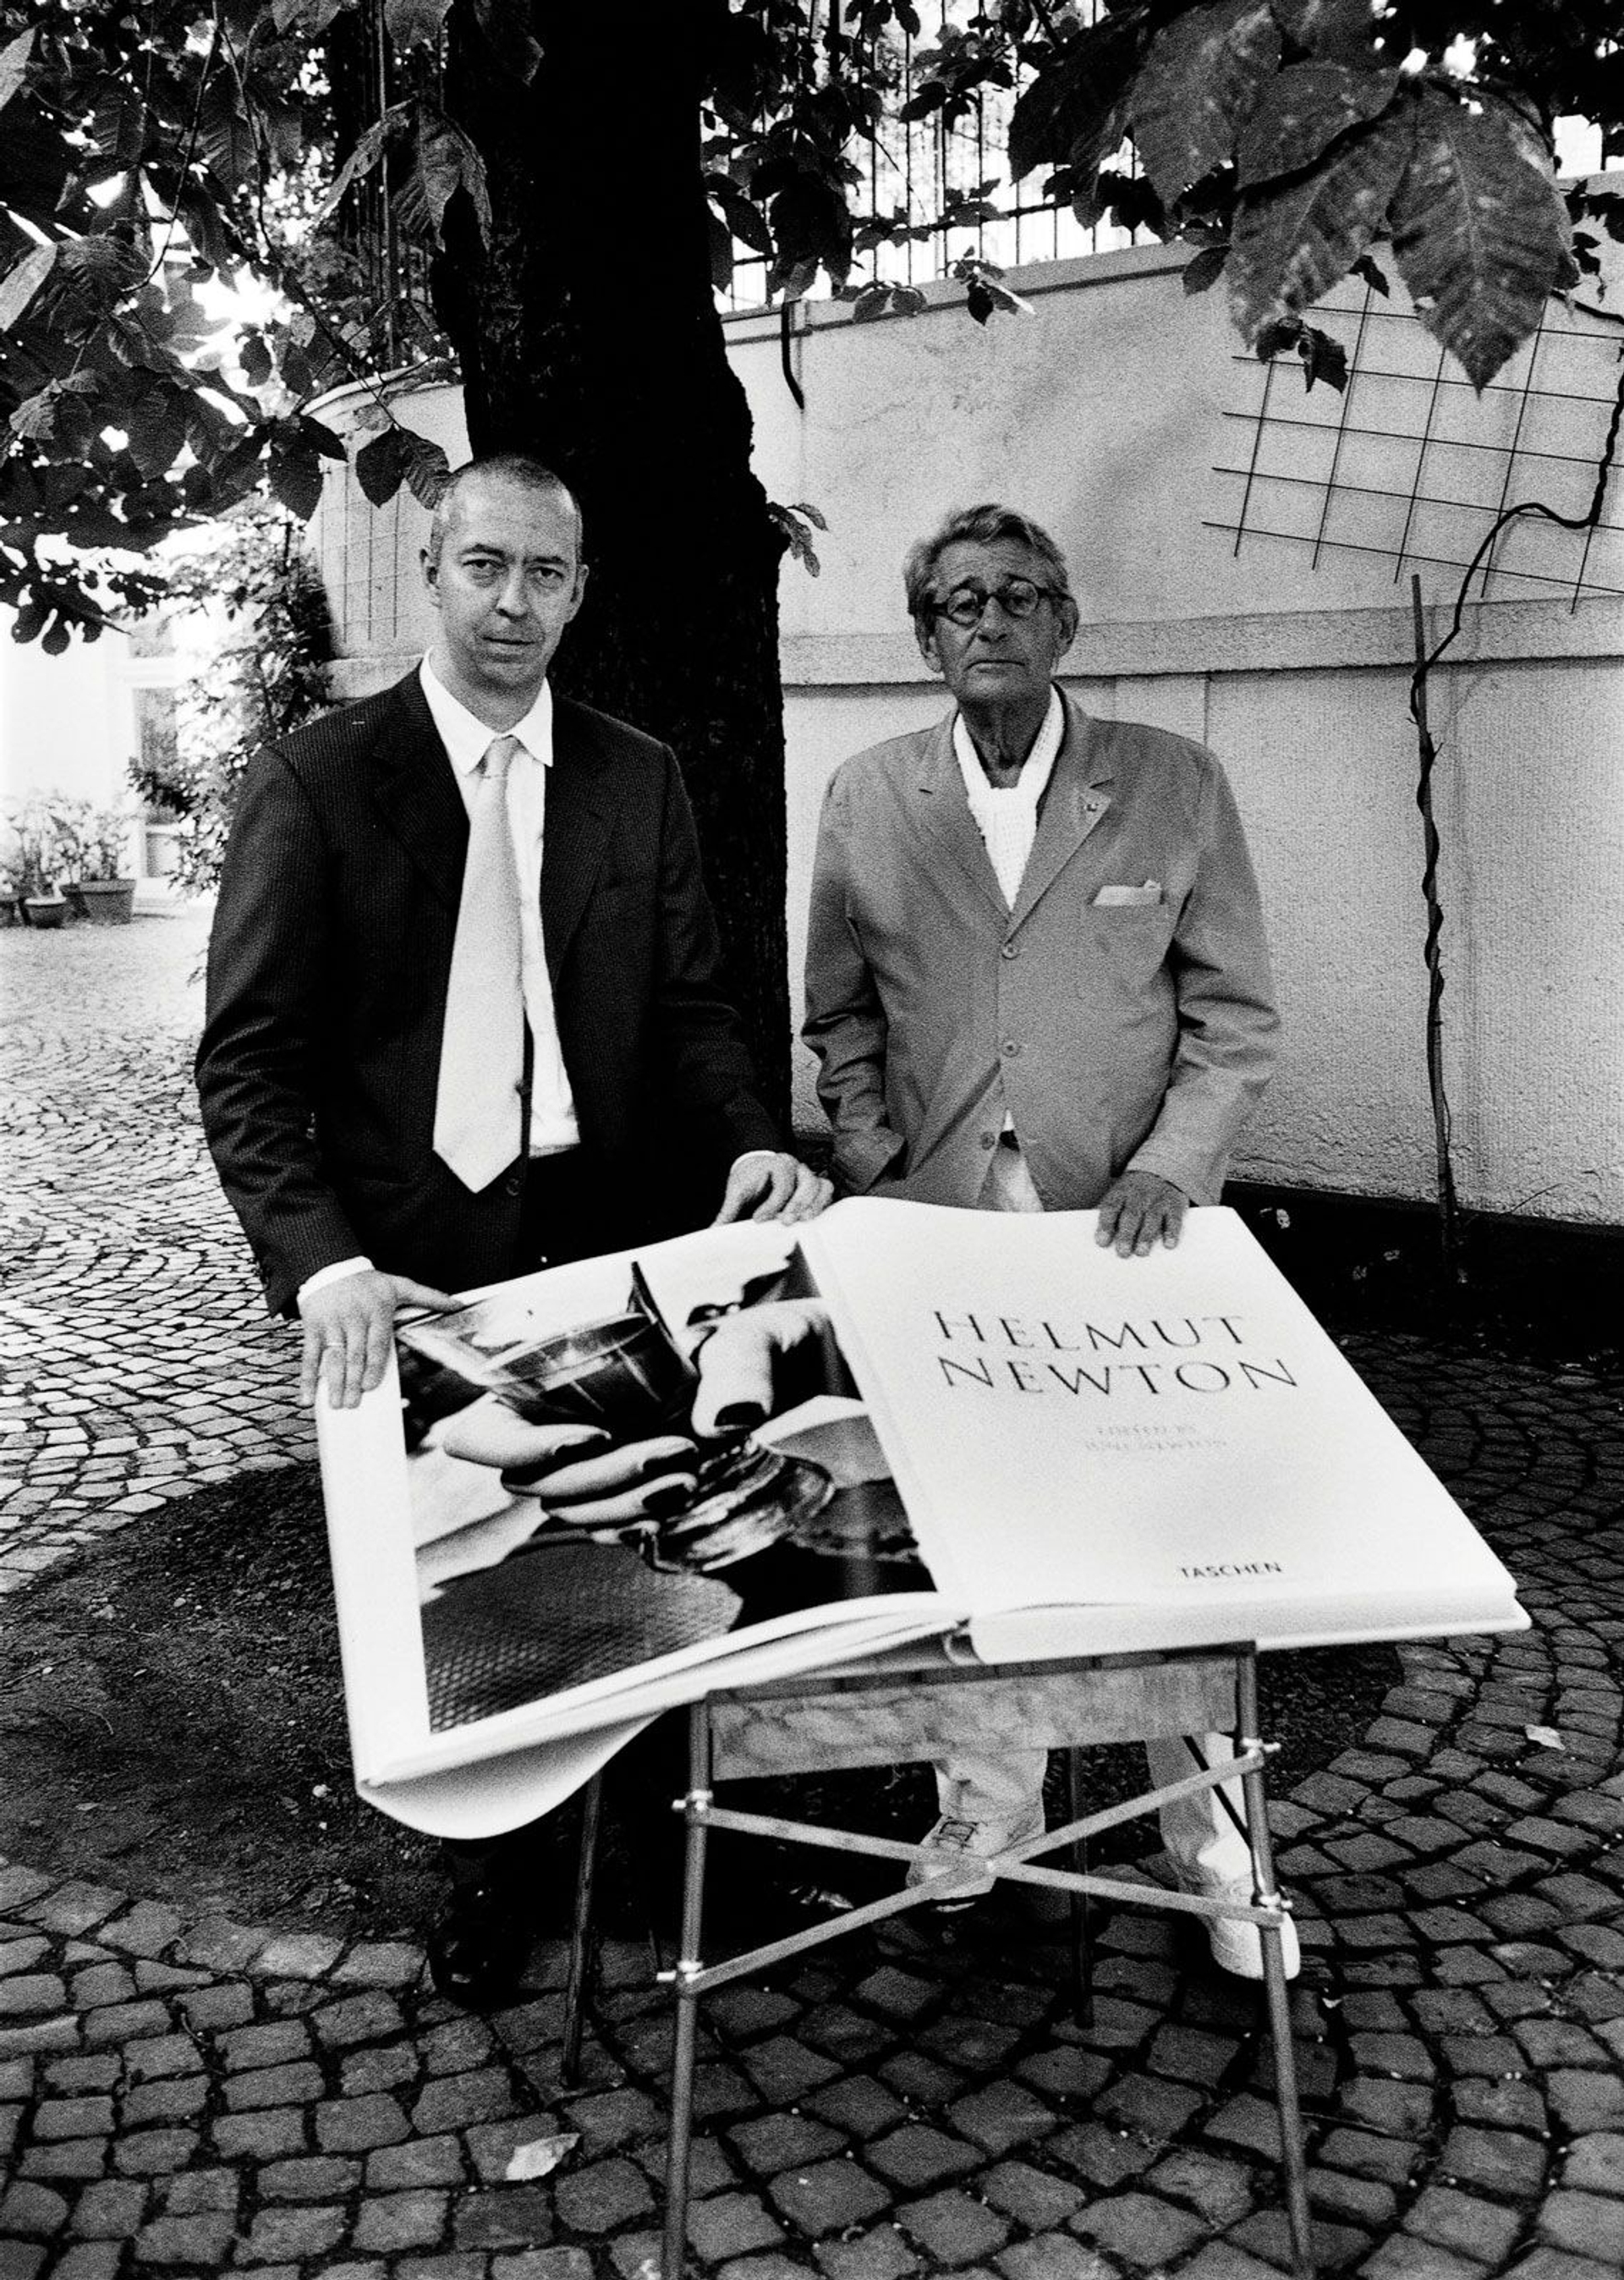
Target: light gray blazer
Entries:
(1114, 1035)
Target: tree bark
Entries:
(589, 335)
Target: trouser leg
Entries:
(993, 1787)
(1205, 1845)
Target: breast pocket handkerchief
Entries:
(1118, 898)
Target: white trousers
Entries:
(1205, 1847)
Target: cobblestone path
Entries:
(187, 2097)
(136, 1359)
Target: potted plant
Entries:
(93, 841)
(33, 862)
(12, 885)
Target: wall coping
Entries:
(1031, 280)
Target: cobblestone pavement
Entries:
(136, 1359)
(183, 2096)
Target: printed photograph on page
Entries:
(680, 1459)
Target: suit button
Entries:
(990, 1139)
(1009, 1049)
(1010, 950)
(514, 1184)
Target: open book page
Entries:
(1100, 1452)
(540, 1534)
(531, 1543)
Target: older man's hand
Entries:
(772, 1185)
(1138, 1212)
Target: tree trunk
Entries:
(589, 335)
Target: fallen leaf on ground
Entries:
(537, 2156)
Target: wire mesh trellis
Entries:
(1410, 465)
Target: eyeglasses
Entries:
(1016, 597)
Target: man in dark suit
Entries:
(410, 1088)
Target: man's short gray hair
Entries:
(530, 474)
(981, 525)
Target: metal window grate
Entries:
(914, 167)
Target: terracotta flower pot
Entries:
(104, 902)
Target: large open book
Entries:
(936, 1421)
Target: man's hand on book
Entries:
(581, 1476)
(348, 1329)
(764, 1184)
(739, 1363)
(1138, 1212)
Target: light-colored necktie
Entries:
(478, 1115)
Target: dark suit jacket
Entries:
(328, 974)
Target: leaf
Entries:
(35, 417)
(930, 98)
(744, 217)
(506, 27)
(1323, 359)
(871, 302)
(22, 282)
(1291, 244)
(538, 2157)
(29, 623)
(322, 438)
(1203, 77)
(14, 59)
(1344, 29)
(381, 467)
(1480, 237)
(119, 124)
(1203, 271)
(225, 138)
(1304, 110)
(255, 358)
(1545, 1737)
(427, 469)
(295, 478)
(1071, 114)
(447, 162)
(308, 16)
(361, 160)
(54, 640)
(414, 23)
(814, 515)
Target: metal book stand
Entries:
(925, 1702)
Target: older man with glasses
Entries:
(1036, 979)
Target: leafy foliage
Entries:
(250, 611)
(146, 156)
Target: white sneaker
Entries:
(954, 1844)
(1237, 1946)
